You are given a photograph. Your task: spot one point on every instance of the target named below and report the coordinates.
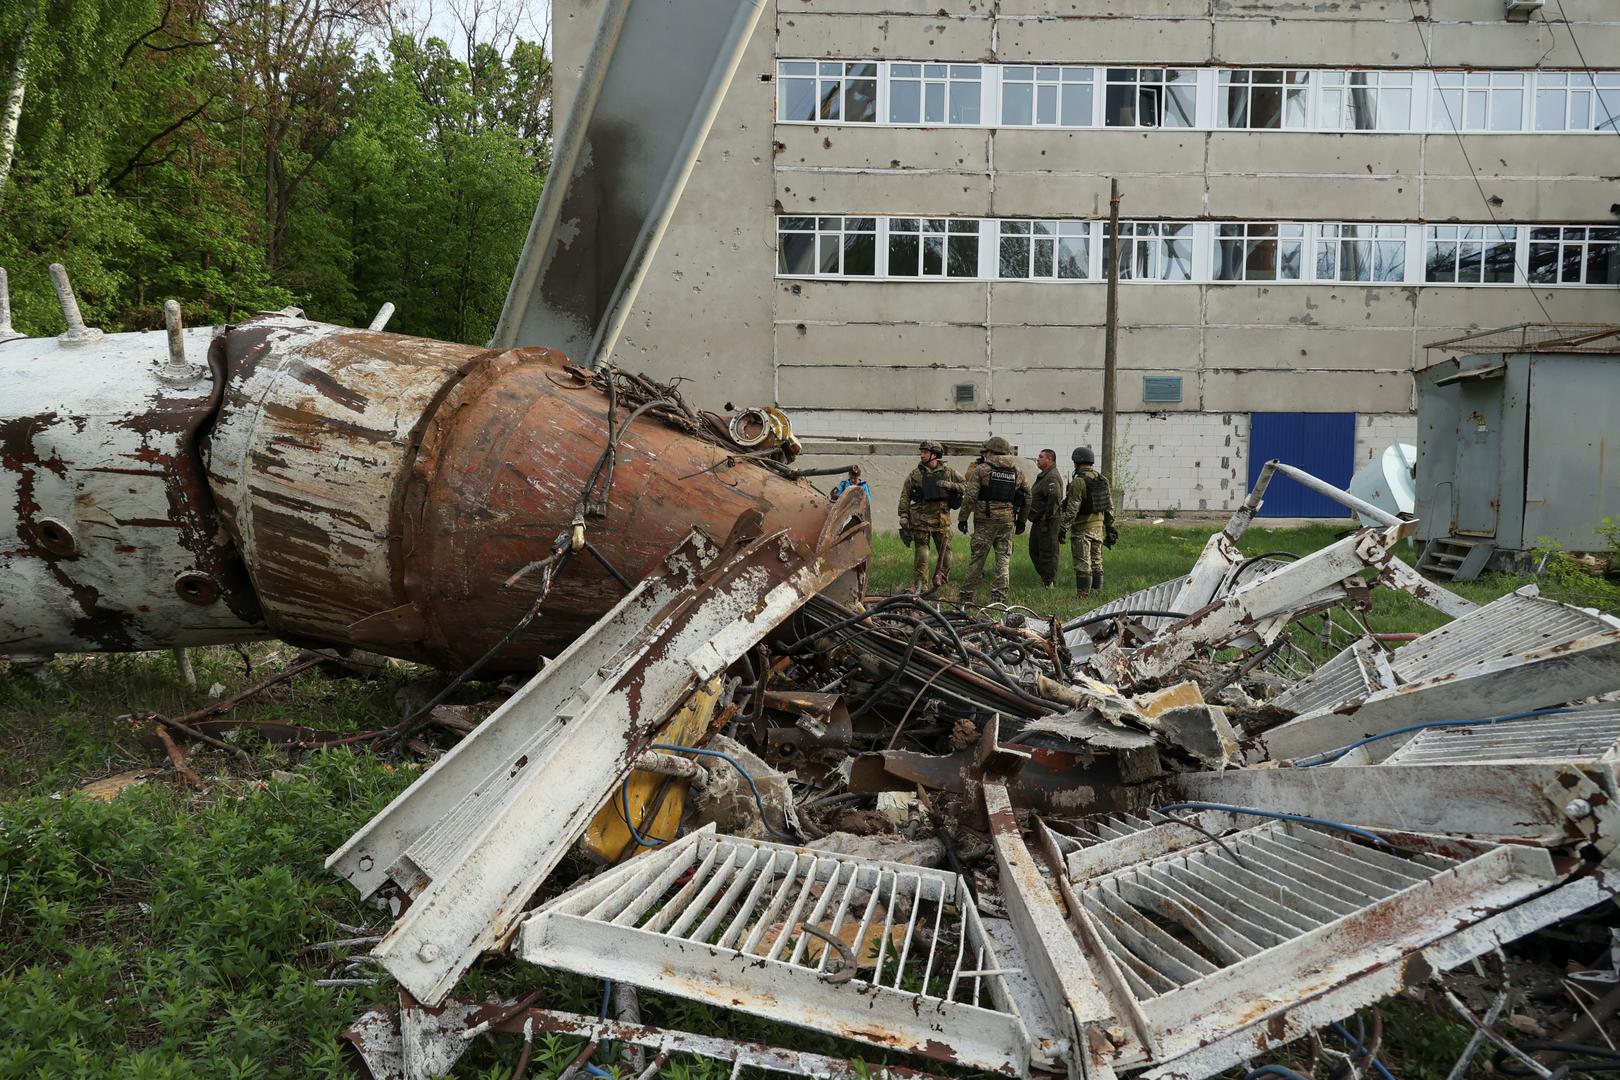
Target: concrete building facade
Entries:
(898, 226)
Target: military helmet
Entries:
(932, 447)
(1083, 456)
(995, 444)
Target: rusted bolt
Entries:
(55, 537)
(428, 952)
(1579, 809)
(195, 587)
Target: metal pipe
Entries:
(1338, 495)
(6, 331)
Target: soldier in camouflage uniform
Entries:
(1088, 515)
(929, 494)
(1046, 518)
(997, 495)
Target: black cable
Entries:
(413, 723)
(1291, 556)
(1602, 1059)
(1134, 613)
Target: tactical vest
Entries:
(1002, 485)
(1096, 499)
(930, 489)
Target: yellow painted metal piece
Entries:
(656, 801)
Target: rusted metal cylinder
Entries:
(109, 540)
(384, 491)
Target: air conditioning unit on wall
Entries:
(1521, 10)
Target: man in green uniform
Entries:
(1088, 515)
(997, 495)
(929, 494)
(1046, 517)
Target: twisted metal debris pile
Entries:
(1194, 825)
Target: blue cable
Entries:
(1341, 826)
(624, 812)
(607, 998)
(1355, 1044)
(1334, 755)
(1273, 1070)
(759, 802)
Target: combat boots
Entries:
(1096, 580)
(1082, 584)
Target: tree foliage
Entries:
(239, 155)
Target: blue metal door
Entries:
(1323, 444)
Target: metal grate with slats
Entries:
(1183, 917)
(1517, 623)
(1206, 942)
(876, 951)
(1351, 675)
(1585, 733)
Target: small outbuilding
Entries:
(1518, 444)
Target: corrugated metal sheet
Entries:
(1514, 624)
(1351, 675)
(1585, 733)
(1323, 444)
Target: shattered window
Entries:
(1045, 250)
(1360, 252)
(826, 246)
(1259, 251)
(1574, 255)
(933, 247)
(1151, 97)
(1152, 251)
(1263, 99)
(796, 246)
(1470, 254)
(827, 90)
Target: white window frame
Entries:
(1403, 100)
(1341, 84)
(1247, 236)
(1291, 82)
(1048, 234)
(1160, 83)
(1413, 243)
(1053, 78)
(1475, 241)
(941, 229)
(1330, 236)
(824, 79)
(839, 228)
(946, 75)
(1147, 237)
(1571, 237)
(1474, 101)
(1599, 89)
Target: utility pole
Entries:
(1111, 335)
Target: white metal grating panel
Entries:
(1353, 674)
(1207, 939)
(1585, 733)
(1180, 918)
(747, 924)
(1517, 623)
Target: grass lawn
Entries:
(167, 932)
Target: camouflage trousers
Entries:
(988, 537)
(1086, 546)
(921, 579)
